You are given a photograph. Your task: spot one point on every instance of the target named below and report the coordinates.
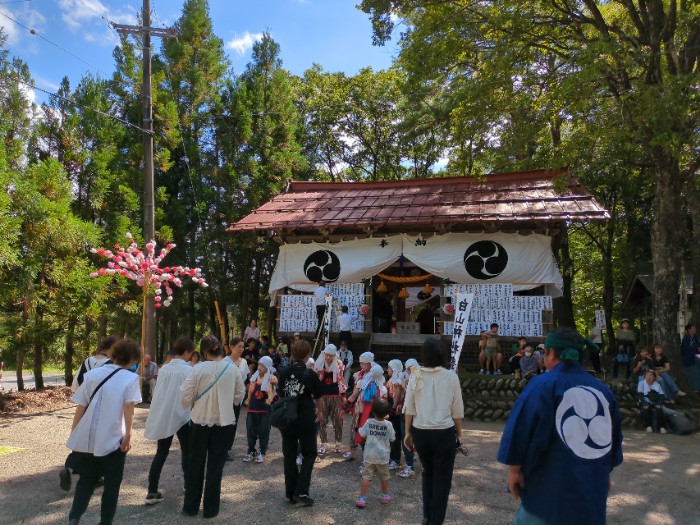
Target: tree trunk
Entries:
(70, 352)
(563, 307)
(667, 234)
(20, 368)
(38, 352)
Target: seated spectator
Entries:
(250, 353)
(264, 348)
(518, 352)
(642, 363)
(529, 364)
(149, 370)
(651, 398)
(663, 368)
(539, 354)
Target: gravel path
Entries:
(656, 485)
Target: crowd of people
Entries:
(405, 409)
(392, 411)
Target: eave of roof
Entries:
(517, 201)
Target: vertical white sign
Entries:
(327, 319)
(600, 319)
(463, 306)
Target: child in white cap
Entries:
(261, 392)
(408, 471)
(330, 372)
(366, 362)
(395, 397)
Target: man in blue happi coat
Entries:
(562, 440)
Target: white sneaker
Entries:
(249, 457)
(649, 429)
(662, 430)
(393, 465)
(299, 460)
(260, 458)
(362, 467)
(322, 448)
(408, 472)
(482, 372)
(347, 454)
(497, 372)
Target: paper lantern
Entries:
(364, 309)
(427, 289)
(382, 287)
(403, 294)
(449, 308)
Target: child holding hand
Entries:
(379, 434)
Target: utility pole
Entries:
(149, 223)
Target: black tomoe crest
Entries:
(485, 260)
(322, 265)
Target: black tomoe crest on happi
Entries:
(485, 260)
(322, 265)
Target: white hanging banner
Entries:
(526, 261)
(463, 307)
(302, 265)
(480, 258)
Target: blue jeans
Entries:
(669, 385)
(523, 517)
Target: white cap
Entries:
(377, 371)
(310, 361)
(411, 362)
(266, 361)
(297, 333)
(396, 365)
(367, 357)
(330, 349)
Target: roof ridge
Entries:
(548, 173)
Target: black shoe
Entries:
(292, 500)
(74, 521)
(304, 500)
(64, 479)
(154, 497)
(190, 514)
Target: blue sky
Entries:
(332, 33)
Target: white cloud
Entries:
(241, 44)
(31, 18)
(46, 84)
(79, 13)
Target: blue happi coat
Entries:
(565, 433)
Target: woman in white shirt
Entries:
(211, 390)
(434, 412)
(241, 364)
(102, 429)
(252, 331)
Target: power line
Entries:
(73, 102)
(36, 33)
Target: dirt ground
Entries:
(656, 485)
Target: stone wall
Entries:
(490, 398)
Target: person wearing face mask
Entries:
(529, 365)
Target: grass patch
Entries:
(6, 451)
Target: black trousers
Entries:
(207, 447)
(652, 416)
(320, 310)
(595, 360)
(297, 480)
(183, 435)
(258, 429)
(395, 450)
(111, 467)
(437, 450)
(232, 437)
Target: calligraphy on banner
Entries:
(297, 313)
(463, 306)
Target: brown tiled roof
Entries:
(501, 201)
